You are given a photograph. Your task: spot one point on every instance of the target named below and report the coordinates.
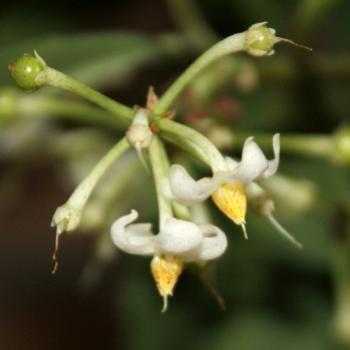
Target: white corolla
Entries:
(227, 185)
(178, 242)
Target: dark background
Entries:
(276, 297)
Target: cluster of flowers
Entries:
(180, 240)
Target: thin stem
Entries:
(160, 168)
(49, 107)
(203, 147)
(231, 44)
(81, 194)
(283, 232)
(54, 78)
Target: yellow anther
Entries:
(231, 200)
(166, 271)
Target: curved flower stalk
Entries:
(258, 41)
(67, 217)
(31, 73)
(178, 242)
(227, 185)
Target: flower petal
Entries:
(253, 163)
(231, 164)
(133, 239)
(179, 237)
(214, 243)
(273, 164)
(186, 190)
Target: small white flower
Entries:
(183, 239)
(177, 242)
(227, 185)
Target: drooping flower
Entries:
(178, 242)
(227, 185)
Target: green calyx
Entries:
(260, 40)
(25, 70)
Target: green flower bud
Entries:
(260, 40)
(8, 102)
(25, 71)
(342, 145)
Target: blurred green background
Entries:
(276, 297)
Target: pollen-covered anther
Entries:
(231, 200)
(166, 271)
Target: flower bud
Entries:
(342, 145)
(260, 40)
(139, 135)
(66, 218)
(25, 71)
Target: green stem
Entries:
(82, 193)
(231, 44)
(54, 78)
(160, 167)
(202, 147)
(49, 107)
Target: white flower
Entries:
(227, 185)
(177, 242)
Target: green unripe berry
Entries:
(260, 40)
(25, 70)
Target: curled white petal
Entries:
(135, 238)
(273, 164)
(179, 237)
(185, 189)
(231, 164)
(253, 163)
(214, 243)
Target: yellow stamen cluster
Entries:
(231, 200)
(166, 271)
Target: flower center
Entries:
(166, 271)
(232, 201)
